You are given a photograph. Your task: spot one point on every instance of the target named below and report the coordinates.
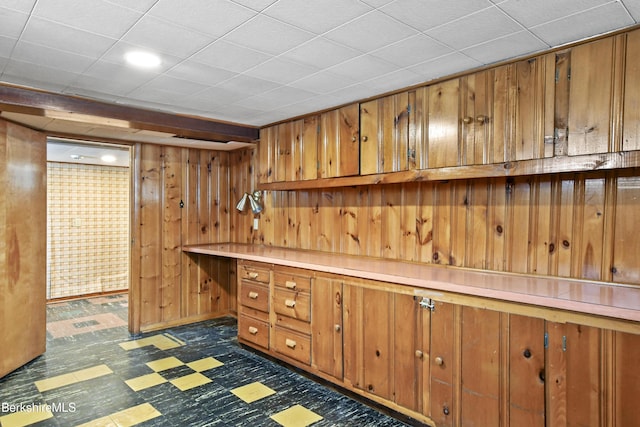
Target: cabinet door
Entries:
(267, 154)
(443, 124)
(368, 341)
(594, 91)
(339, 153)
(309, 147)
(283, 152)
(326, 326)
(445, 333)
(384, 134)
(631, 124)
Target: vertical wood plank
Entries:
(391, 221)
(626, 244)
(631, 128)
(442, 223)
(590, 97)
(370, 141)
(584, 367)
(407, 365)
(348, 140)
(459, 234)
(171, 250)
(409, 222)
(443, 124)
(350, 235)
(626, 354)
(477, 224)
(310, 135)
(424, 222)
(519, 228)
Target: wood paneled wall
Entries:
(185, 196)
(574, 225)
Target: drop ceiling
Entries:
(255, 62)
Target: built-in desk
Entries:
(593, 298)
(447, 346)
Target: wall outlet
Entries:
(255, 223)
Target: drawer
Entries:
(296, 346)
(252, 272)
(292, 281)
(253, 330)
(292, 304)
(254, 295)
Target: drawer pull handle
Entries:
(253, 330)
(253, 295)
(253, 275)
(290, 284)
(290, 343)
(290, 303)
(419, 354)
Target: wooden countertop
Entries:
(597, 298)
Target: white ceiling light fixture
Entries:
(108, 158)
(142, 59)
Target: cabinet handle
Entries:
(439, 361)
(290, 284)
(337, 328)
(354, 139)
(253, 295)
(419, 354)
(482, 119)
(290, 343)
(253, 275)
(467, 120)
(290, 303)
(365, 138)
(253, 330)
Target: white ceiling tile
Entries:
(257, 5)
(212, 17)
(260, 102)
(36, 54)
(390, 81)
(323, 82)
(353, 93)
(200, 73)
(371, 31)
(230, 57)
(247, 85)
(61, 37)
(180, 88)
(511, 46)
(426, 14)
(124, 78)
(377, 3)
(12, 22)
(530, 13)
(24, 6)
(268, 35)
(165, 37)
(364, 67)
(6, 46)
(633, 6)
(411, 51)
(445, 65)
(575, 27)
(95, 16)
(487, 24)
(37, 75)
(317, 17)
(281, 71)
(286, 95)
(213, 98)
(321, 53)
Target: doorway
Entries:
(88, 218)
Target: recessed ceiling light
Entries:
(76, 157)
(108, 158)
(142, 59)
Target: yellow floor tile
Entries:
(162, 342)
(135, 415)
(128, 417)
(296, 416)
(252, 392)
(205, 364)
(164, 364)
(145, 381)
(25, 418)
(190, 381)
(73, 377)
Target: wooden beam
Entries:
(35, 102)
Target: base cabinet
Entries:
(454, 361)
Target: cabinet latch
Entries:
(428, 303)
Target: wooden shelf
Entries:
(550, 165)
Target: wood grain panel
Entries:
(172, 218)
(626, 245)
(443, 124)
(583, 373)
(391, 221)
(590, 99)
(407, 364)
(625, 355)
(310, 134)
(631, 129)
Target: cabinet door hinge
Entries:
(564, 343)
(428, 303)
(546, 340)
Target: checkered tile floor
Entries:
(95, 374)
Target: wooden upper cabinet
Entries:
(289, 151)
(596, 77)
(338, 147)
(384, 135)
(631, 123)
